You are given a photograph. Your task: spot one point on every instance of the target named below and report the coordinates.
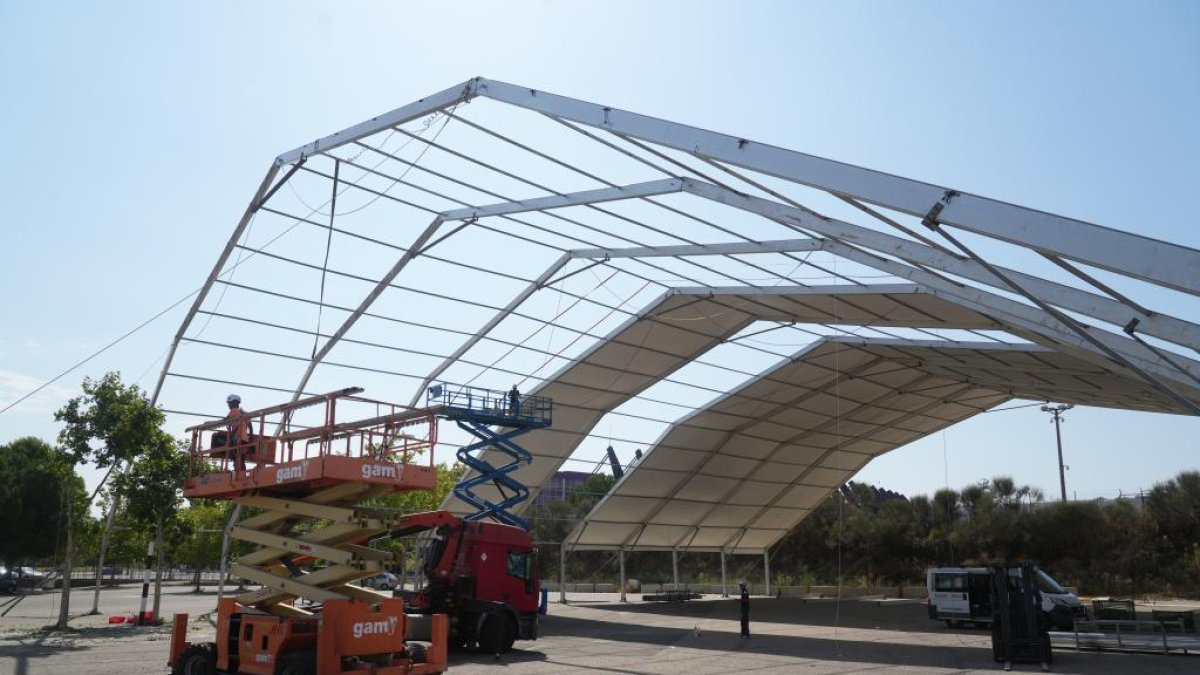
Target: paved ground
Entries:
(595, 635)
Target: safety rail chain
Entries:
(477, 411)
(321, 472)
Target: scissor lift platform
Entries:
(299, 467)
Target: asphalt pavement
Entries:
(593, 634)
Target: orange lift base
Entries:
(352, 636)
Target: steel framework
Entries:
(642, 272)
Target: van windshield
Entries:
(1047, 584)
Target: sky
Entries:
(137, 132)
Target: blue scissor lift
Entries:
(495, 418)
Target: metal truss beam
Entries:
(649, 189)
(1159, 325)
(430, 104)
(1141, 257)
(735, 248)
(1010, 311)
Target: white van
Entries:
(960, 595)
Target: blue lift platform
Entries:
(496, 418)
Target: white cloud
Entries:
(15, 385)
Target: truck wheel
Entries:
(510, 634)
(297, 663)
(197, 659)
(491, 635)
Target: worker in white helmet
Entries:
(238, 425)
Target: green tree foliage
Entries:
(113, 425)
(195, 539)
(34, 479)
(110, 423)
(153, 485)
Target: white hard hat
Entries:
(233, 398)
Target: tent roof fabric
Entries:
(742, 472)
(682, 325)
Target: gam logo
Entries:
(379, 471)
(291, 472)
(362, 628)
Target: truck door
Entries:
(950, 595)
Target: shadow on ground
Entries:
(41, 645)
(812, 641)
(901, 616)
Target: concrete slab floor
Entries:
(597, 635)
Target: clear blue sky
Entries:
(135, 133)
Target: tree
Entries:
(108, 426)
(33, 481)
(152, 489)
(198, 529)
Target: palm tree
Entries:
(1004, 488)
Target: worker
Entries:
(514, 401)
(745, 602)
(238, 426)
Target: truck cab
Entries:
(484, 576)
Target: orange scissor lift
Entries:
(301, 490)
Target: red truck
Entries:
(483, 575)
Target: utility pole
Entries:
(1057, 411)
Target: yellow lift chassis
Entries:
(303, 490)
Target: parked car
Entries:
(8, 582)
(384, 581)
(30, 573)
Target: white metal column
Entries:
(675, 566)
(621, 557)
(766, 572)
(724, 587)
(562, 573)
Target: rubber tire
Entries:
(510, 634)
(491, 634)
(197, 659)
(303, 662)
(417, 653)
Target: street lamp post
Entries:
(1057, 411)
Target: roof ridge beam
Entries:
(1156, 261)
(460, 93)
(612, 194)
(730, 248)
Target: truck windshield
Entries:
(1047, 584)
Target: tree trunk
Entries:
(158, 545)
(197, 578)
(64, 608)
(108, 524)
